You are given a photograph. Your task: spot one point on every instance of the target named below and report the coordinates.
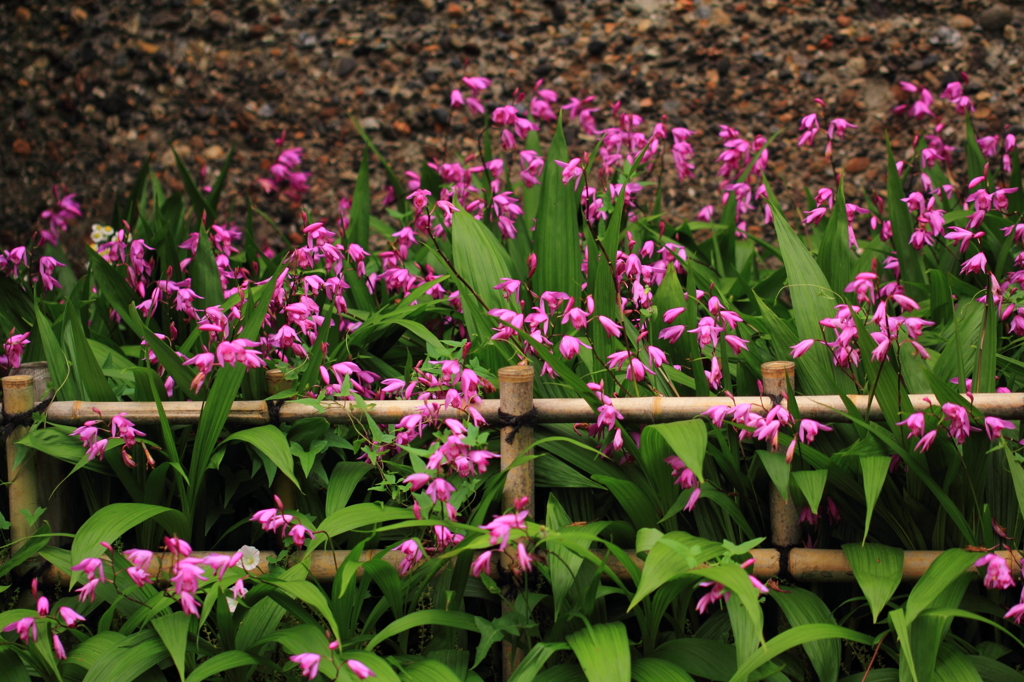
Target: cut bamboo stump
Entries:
(515, 412)
(22, 477)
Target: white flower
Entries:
(250, 557)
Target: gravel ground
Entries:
(91, 89)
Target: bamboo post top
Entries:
(516, 374)
(16, 382)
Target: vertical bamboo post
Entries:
(515, 386)
(23, 488)
(283, 487)
(50, 471)
(778, 378)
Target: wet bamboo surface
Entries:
(649, 410)
(805, 565)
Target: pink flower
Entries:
(482, 564)
(959, 425)
(440, 489)
(501, 527)
(915, 423)
(417, 481)
(802, 347)
(997, 574)
(570, 170)
(189, 604)
(1015, 613)
(413, 555)
(97, 449)
(926, 441)
(90, 566)
(569, 346)
(88, 590)
(187, 575)
(299, 533)
(359, 669)
(994, 427)
(58, 647)
(610, 327)
(717, 414)
(809, 429)
(220, 563)
(24, 627)
(525, 560)
(308, 663)
(716, 593)
(122, 427)
(976, 264)
(70, 616)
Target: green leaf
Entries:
(173, 630)
(129, 659)
(778, 470)
(874, 470)
(556, 239)
(205, 273)
(480, 263)
(121, 298)
(911, 270)
(687, 439)
(674, 555)
(310, 595)
(222, 662)
(878, 570)
(226, 383)
(834, 256)
(813, 300)
(658, 670)
(534, 661)
(946, 569)
(427, 617)
(269, 440)
(56, 360)
(603, 652)
(14, 669)
(86, 369)
(359, 215)
(428, 671)
(344, 478)
(702, 658)
(641, 509)
(803, 607)
(812, 485)
(801, 634)
(60, 445)
(113, 521)
(361, 515)
(953, 666)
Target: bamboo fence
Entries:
(516, 391)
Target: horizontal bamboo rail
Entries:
(806, 565)
(649, 410)
(810, 565)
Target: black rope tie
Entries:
(274, 410)
(9, 422)
(784, 573)
(516, 422)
